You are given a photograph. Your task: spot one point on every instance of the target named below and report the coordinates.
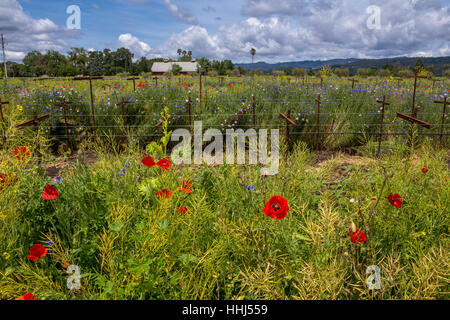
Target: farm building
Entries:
(160, 68)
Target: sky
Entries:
(279, 30)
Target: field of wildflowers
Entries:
(136, 226)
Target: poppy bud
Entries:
(353, 227)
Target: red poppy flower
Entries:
(165, 164)
(50, 192)
(148, 161)
(395, 200)
(276, 208)
(357, 237)
(374, 199)
(183, 210)
(21, 153)
(165, 194)
(186, 187)
(425, 170)
(37, 251)
(6, 180)
(27, 296)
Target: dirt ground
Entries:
(55, 168)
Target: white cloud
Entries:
(23, 33)
(181, 14)
(343, 34)
(139, 48)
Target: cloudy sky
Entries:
(279, 30)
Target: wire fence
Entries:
(234, 119)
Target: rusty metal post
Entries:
(124, 115)
(190, 115)
(444, 115)
(414, 110)
(254, 111)
(63, 104)
(92, 98)
(288, 122)
(383, 103)
(353, 82)
(287, 134)
(92, 106)
(134, 82)
(3, 119)
(200, 95)
(318, 123)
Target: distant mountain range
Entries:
(352, 64)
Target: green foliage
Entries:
(132, 245)
(299, 72)
(342, 72)
(278, 73)
(447, 74)
(176, 69)
(363, 72)
(326, 71)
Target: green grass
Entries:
(129, 244)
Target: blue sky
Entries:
(282, 30)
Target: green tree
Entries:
(447, 74)
(176, 69)
(342, 72)
(79, 57)
(35, 63)
(123, 58)
(241, 71)
(419, 66)
(278, 73)
(384, 73)
(253, 52)
(228, 65)
(287, 71)
(363, 72)
(256, 72)
(55, 63)
(299, 72)
(205, 65)
(96, 63)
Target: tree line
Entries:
(80, 61)
(396, 70)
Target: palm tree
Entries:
(189, 53)
(184, 53)
(253, 52)
(179, 52)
